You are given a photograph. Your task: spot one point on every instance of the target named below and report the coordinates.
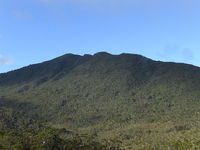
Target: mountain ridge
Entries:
(127, 96)
(61, 64)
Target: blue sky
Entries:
(33, 31)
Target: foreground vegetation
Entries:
(50, 139)
(46, 138)
(18, 132)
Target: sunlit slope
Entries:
(103, 91)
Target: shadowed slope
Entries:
(46, 69)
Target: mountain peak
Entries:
(102, 54)
(100, 62)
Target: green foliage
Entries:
(51, 140)
(145, 103)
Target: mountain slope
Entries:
(128, 96)
(47, 69)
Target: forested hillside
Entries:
(145, 104)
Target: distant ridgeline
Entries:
(145, 104)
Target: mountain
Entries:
(129, 97)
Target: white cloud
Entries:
(5, 61)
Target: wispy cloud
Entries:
(100, 3)
(21, 14)
(116, 2)
(187, 54)
(5, 60)
(119, 6)
(105, 6)
(176, 53)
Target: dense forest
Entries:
(100, 102)
(18, 132)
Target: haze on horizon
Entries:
(32, 31)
